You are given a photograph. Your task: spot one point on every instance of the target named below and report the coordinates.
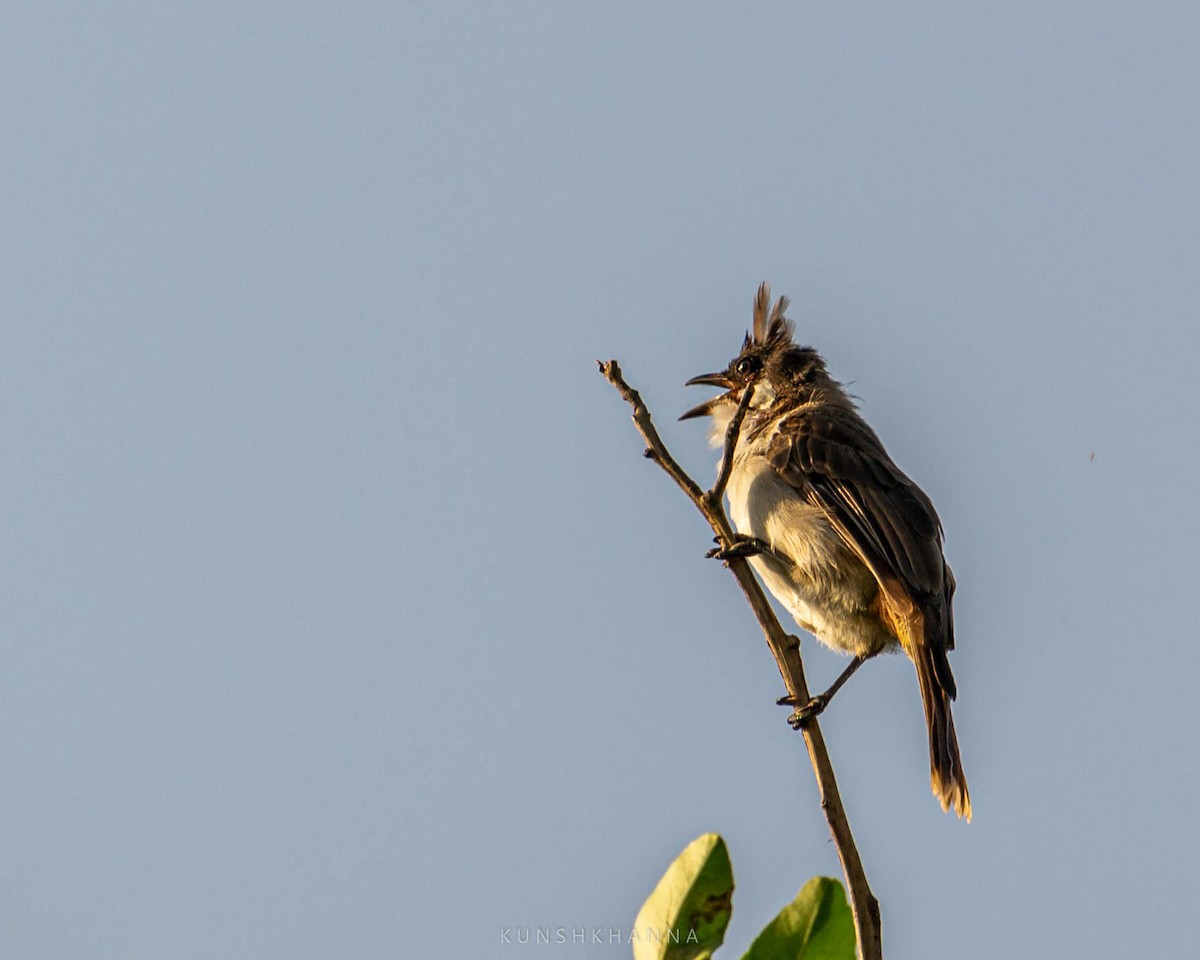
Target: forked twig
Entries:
(784, 647)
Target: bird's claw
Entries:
(806, 711)
(742, 546)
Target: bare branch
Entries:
(731, 439)
(784, 647)
(655, 449)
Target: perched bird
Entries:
(848, 544)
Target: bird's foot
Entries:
(741, 546)
(813, 707)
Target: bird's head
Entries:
(769, 359)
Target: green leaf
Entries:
(686, 915)
(817, 925)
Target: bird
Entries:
(848, 544)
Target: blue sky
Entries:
(341, 614)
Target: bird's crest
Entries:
(770, 324)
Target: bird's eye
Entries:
(747, 366)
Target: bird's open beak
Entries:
(710, 380)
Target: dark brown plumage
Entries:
(824, 456)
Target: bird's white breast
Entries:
(827, 589)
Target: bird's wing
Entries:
(836, 461)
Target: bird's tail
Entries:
(945, 763)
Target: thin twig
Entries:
(784, 647)
(731, 439)
(655, 449)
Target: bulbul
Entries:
(848, 544)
